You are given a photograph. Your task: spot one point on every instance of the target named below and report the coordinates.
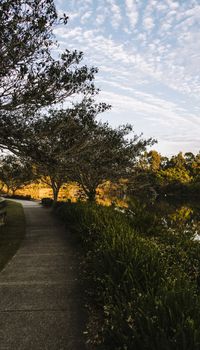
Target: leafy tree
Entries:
(154, 159)
(69, 145)
(192, 164)
(180, 168)
(189, 157)
(143, 185)
(156, 175)
(109, 155)
(14, 173)
(30, 78)
(196, 168)
(174, 174)
(52, 142)
(177, 161)
(151, 161)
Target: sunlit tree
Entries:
(15, 173)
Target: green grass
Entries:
(11, 234)
(144, 290)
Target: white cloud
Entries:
(173, 4)
(132, 56)
(148, 23)
(86, 17)
(100, 19)
(165, 112)
(66, 34)
(116, 17)
(161, 7)
(165, 26)
(132, 12)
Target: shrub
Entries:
(17, 196)
(11, 234)
(47, 202)
(145, 288)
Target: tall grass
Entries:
(146, 289)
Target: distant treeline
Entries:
(176, 178)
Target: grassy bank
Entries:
(144, 289)
(12, 233)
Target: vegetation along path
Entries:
(40, 294)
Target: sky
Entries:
(148, 56)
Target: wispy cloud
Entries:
(132, 12)
(116, 13)
(86, 17)
(148, 23)
(143, 49)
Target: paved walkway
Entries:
(40, 301)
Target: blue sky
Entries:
(148, 55)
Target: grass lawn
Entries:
(12, 233)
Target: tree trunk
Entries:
(56, 190)
(91, 196)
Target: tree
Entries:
(177, 161)
(196, 168)
(14, 173)
(53, 141)
(174, 175)
(30, 78)
(109, 155)
(192, 164)
(154, 160)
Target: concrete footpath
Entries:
(40, 294)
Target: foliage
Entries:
(47, 202)
(155, 219)
(157, 176)
(60, 144)
(30, 77)
(174, 175)
(35, 78)
(15, 173)
(17, 196)
(53, 141)
(70, 145)
(146, 289)
(110, 155)
(11, 234)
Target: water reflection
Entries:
(178, 218)
(184, 217)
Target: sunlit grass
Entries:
(12, 233)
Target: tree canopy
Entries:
(15, 173)
(109, 155)
(70, 145)
(30, 77)
(176, 176)
(53, 141)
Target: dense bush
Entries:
(47, 202)
(17, 196)
(181, 191)
(146, 288)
